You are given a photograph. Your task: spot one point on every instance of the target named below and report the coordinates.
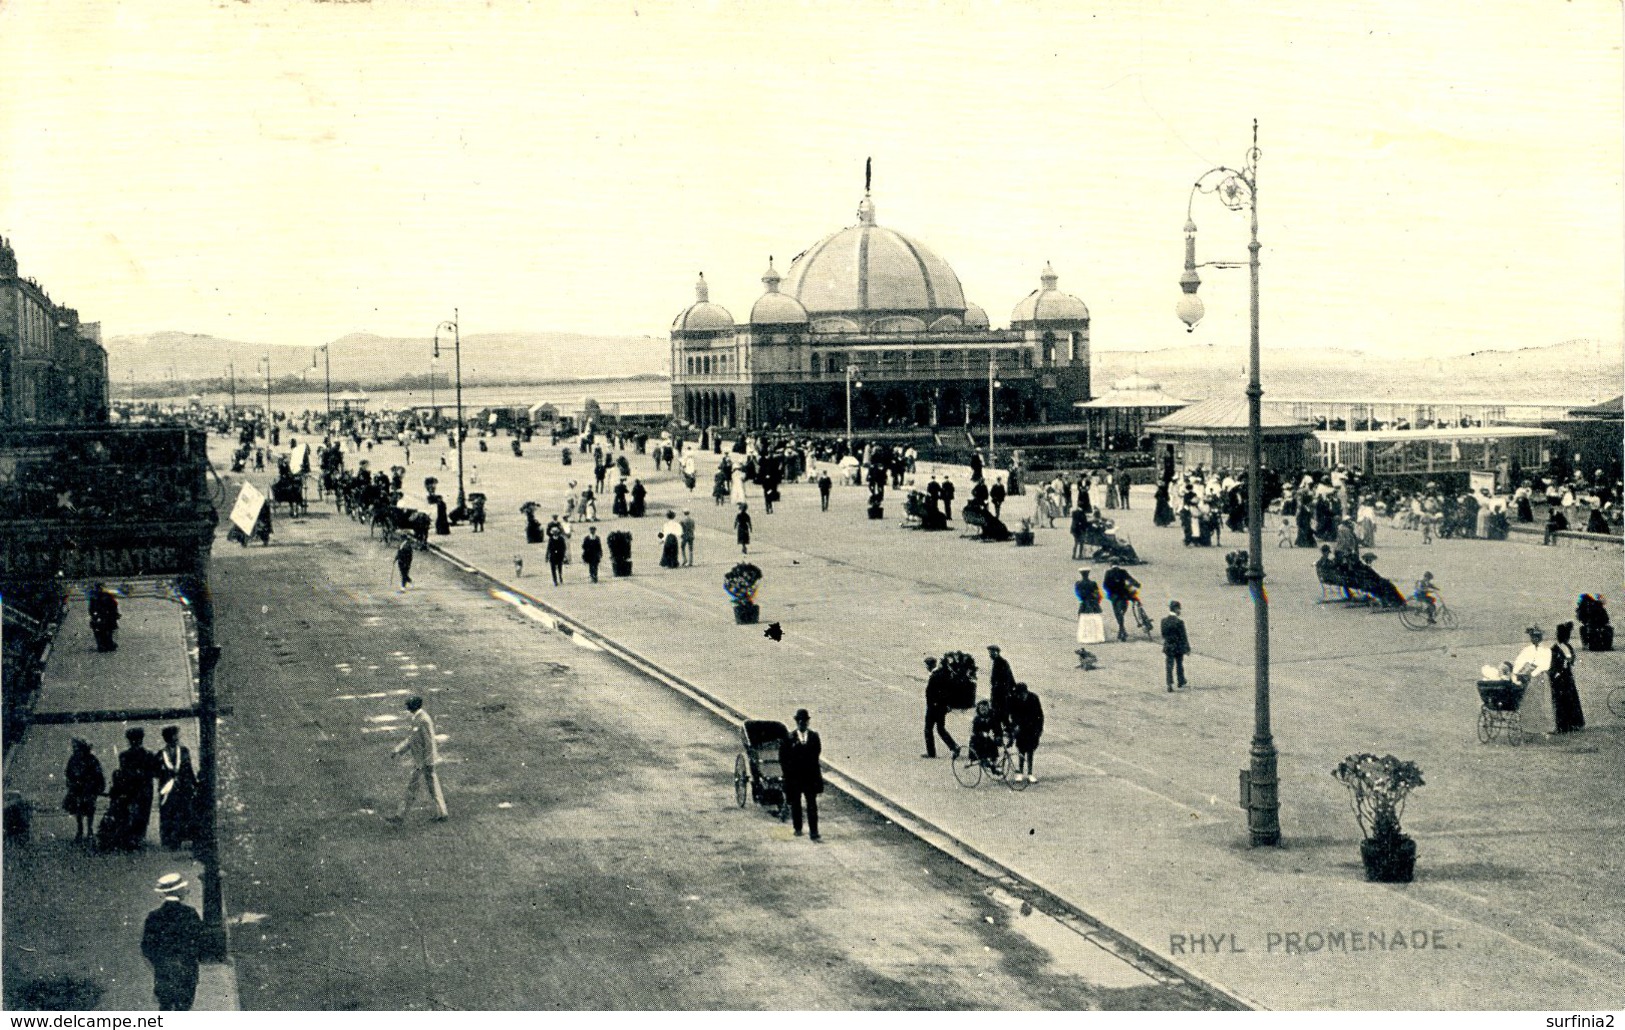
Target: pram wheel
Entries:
(741, 780)
(1486, 726)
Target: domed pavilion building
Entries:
(872, 306)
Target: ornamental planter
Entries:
(1023, 537)
(1379, 787)
(620, 553)
(740, 583)
(877, 512)
(1390, 860)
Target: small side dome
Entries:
(773, 307)
(703, 316)
(1048, 304)
(975, 317)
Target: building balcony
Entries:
(87, 479)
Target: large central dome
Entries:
(865, 271)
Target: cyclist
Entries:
(1427, 592)
(984, 735)
(1121, 588)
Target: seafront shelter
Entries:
(1116, 420)
(1213, 434)
(1426, 452)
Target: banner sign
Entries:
(245, 514)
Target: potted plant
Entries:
(1024, 535)
(1379, 787)
(877, 509)
(741, 582)
(620, 552)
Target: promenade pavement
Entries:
(73, 916)
(1136, 819)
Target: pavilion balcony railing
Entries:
(101, 476)
(967, 374)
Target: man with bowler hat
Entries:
(803, 777)
(1176, 644)
(172, 940)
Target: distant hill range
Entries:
(1573, 370)
(362, 359)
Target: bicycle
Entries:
(969, 771)
(1141, 619)
(1414, 615)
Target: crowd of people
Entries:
(141, 779)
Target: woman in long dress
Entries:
(1091, 627)
(1164, 515)
(1532, 667)
(1565, 695)
(670, 534)
(742, 528)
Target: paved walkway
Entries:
(73, 916)
(1136, 821)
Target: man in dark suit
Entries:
(104, 618)
(1120, 588)
(937, 690)
(172, 940)
(592, 552)
(1175, 645)
(948, 498)
(803, 777)
(1001, 685)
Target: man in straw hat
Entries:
(425, 756)
(172, 940)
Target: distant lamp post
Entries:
(457, 355)
(992, 385)
(267, 362)
(1238, 191)
(851, 370)
(231, 370)
(327, 361)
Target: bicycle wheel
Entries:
(1144, 620)
(1447, 618)
(1413, 618)
(1616, 702)
(741, 780)
(967, 770)
(1486, 726)
(1011, 778)
(1514, 729)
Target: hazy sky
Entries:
(1442, 176)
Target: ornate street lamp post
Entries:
(1237, 189)
(457, 352)
(268, 396)
(851, 370)
(327, 361)
(992, 384)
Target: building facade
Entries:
(869, 326)
(53, 368)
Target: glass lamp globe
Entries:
(1190, 310)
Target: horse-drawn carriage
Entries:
(289, 488)
(757, 773)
